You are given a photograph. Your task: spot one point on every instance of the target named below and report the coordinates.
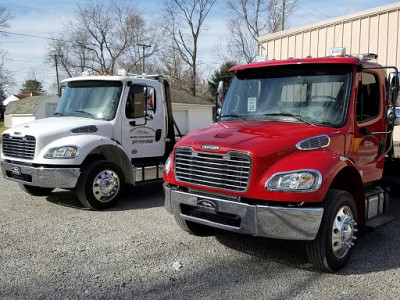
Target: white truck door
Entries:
(143, 137)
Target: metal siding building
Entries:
(375, 30)
(370, 31)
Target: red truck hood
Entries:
(258, 138)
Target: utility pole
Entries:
(143, 47)
(283, 13)
(58, 80)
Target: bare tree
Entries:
(101, 37)
(183, 21)
(5, 16)
(133, 58)
(6, 79)
(248, 20)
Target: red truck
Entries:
(298, 153)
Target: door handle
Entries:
(364, 131)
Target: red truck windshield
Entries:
(315, 94)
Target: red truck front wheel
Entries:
(332, 248)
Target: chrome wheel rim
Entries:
(106, 185)
(343, 232)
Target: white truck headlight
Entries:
(295, 181)
(62, 152)
(167, 165)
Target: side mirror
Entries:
(219, 111)
(150, 98)
(393, 89)
(62, 88)
(220, 93)
(150, 103)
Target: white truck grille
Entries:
(19, 147)
(229, 171)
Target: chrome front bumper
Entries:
(42, 177)
(258, 220)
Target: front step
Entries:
(148, 173)
(379, 221)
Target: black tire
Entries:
(191, 227)
(100, 185)
(330, 251)
(36, 190)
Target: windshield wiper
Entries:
(57, 114)
(233, 116)
(86, 113)
(287, 114)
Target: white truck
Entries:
(106, 131)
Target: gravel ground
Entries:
(52, 248)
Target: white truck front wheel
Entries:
(100, 185)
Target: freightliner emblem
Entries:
(16, 170)
(210, 147)
(207, 205)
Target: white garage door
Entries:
(181, 118)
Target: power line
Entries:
(20, 60)
(29, 35)
(313, 9)
(310, 13)
(305, 18)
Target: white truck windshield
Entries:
(316, 95)
(90, 99)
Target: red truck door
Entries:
(369, 145)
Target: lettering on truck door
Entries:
(143, 137)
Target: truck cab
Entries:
(298, 153)
(106, 131)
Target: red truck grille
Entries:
(20, 147)
(229, 171)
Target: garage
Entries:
(190, 112)
(181, 118)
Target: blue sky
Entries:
(45, 17)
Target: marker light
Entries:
(337, 52)
(122, 72)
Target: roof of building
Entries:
(27, 105)
(12, 98)
(178, 96)
(332, 22)
(9, 99)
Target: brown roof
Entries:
(22, 96)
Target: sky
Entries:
(44, 18)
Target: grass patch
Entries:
(2, 128)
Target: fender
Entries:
(328, 163)
(90, 145)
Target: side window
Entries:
(368, 98)
(135, 102)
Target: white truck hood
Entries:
(56, 131)
(59, 127)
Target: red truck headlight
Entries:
(295, 181)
